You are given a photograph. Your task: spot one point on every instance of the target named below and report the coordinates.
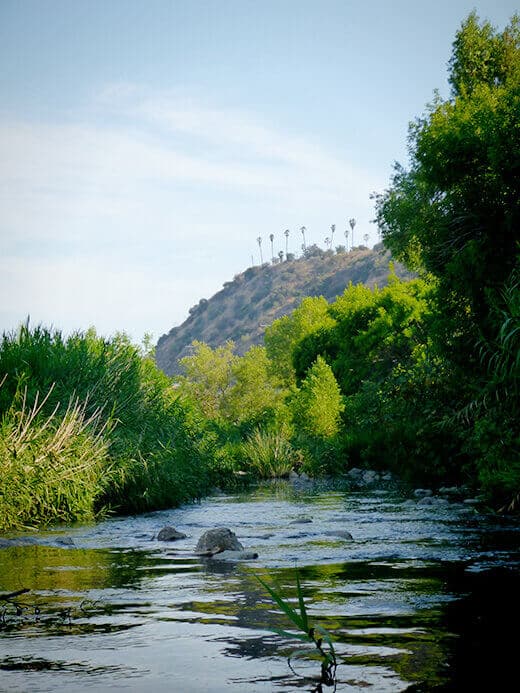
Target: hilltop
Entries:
(242, 309)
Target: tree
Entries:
(456, 211)
(284, 334)
(318, 403)
(259, 241)
(271, 238)
(346, 239)
(208, 376)
(303, 230)
(286, 234)
(254, 393)
(352, 223)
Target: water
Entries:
(420, 600)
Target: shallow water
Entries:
(419, 600)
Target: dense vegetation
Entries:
(87, 423)
(420, 375)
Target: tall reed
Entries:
(52, 467)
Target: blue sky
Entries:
(144, 146)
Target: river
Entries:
(419, 600)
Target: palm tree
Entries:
(352, 223)
(365, 238)
(327, 242)
(303, 230)
(332, 230)
(259, 241)
(271, 238)
(346, 238)
(280, 255)
(286, 234)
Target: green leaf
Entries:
(284, 606)
(294, 636)
(303, 610)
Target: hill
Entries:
(261, 294)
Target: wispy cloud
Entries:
(137, 169)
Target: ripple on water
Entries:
(116, 608)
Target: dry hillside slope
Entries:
(260, 295)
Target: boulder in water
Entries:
(217, 540)
(170, 534)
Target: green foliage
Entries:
(456, 211)
(373, 330)
(255, 394)
(53, 467)
(483, 56)
(307, 633)
(269, 454)
(208, 376)
(155, 450)
(317, 404)
(231, 389)
(285, 333)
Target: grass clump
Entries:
(269, 454)
(52, 467)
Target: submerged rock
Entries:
(220, 538)
(422, 492)
(340, 533)
(170, 534)
(235, 556)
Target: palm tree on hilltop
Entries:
(259, 241)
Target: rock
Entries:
(235, 556)
(426, 500)
(387, 477)
(370, 476)
(341, 533)
(219, 538)
(450, 491)
(422, 492)
(440, 501)
(301, 521)
(354, 473)
(170, 534)
(471, 501)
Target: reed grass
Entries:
(52, 467)
(269, 454)
(109, 431)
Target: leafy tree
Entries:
(284, 334)
(372, 331)
(254, 393)
(318, 403)
(456, 211)
(207, 376)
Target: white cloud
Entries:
(86, 203)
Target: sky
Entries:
(145, 146)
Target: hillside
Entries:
(260, 295)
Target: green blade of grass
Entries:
(284, 606)
(303, 610)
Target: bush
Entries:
(269, 454)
